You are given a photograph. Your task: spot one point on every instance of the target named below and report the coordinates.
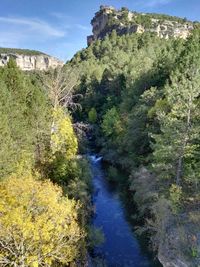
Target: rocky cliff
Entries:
(28, 60)
(124, 21)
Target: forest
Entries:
(142, 97)
(45, 187)
(139, 96)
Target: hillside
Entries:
(141, 92)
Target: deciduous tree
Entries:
(38, 226)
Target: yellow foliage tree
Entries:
(38, 226)
(63, 138)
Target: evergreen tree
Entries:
(176, 154)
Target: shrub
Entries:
(175, 197)
(92, 115)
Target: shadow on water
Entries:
(122, 247)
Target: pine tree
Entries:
(176, 154)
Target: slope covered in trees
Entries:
(142, 95)
(44, 187)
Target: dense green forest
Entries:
(140, 94)
(45, 199)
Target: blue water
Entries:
(121, 247)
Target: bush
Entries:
(175, 197)
(112, 174)
(95, 237)
(92, 115)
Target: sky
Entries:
(60, 27)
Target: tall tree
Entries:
(177, 151)
(14, 104)
(25, 116)
(60, 83)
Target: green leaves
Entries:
(111, 123)
(24, 116)
(177, 146)
(92, 115)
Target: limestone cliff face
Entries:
(124, 21)
(31, 62)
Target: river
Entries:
(122, 247)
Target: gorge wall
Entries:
(124, 21)
(32, 62)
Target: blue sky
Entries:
(60, 27)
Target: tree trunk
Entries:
(179, 171)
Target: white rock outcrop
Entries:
(163, 28)
(31, 62)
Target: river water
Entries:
(121, 247)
